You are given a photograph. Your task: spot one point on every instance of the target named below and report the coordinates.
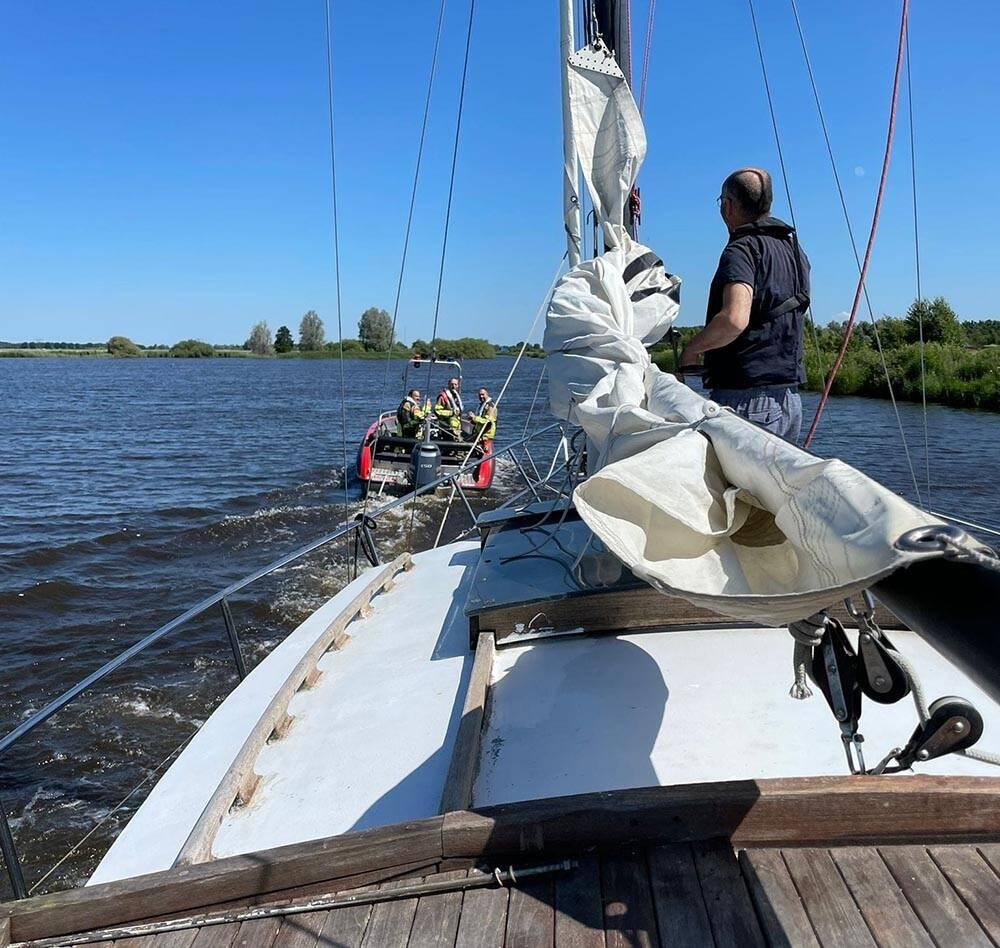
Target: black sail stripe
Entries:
(646, 262)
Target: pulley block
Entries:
(835, 669)
(954, 724)
(881, 676)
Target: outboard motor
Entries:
(426, 460)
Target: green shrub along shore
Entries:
(961, 359)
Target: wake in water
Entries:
(99, 595)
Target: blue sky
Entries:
(164, 168)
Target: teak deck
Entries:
(816, 862)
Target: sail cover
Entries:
(695, 500)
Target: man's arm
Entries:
(727, 325)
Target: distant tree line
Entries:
(375, 339)
(961, 360)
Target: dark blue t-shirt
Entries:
(769, 350)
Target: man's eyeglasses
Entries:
(720, 199)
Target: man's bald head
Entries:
(749, 189)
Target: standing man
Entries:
(752, 340)
(485, 420)
(449, 408)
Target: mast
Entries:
(614, 25)
(571, 177)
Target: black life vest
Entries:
(769, 351)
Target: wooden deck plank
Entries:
(531, 914)
(889, 916)
(178, 939)
(780, 911)
(390, 922)
(932, 897)
(216, 936)
(991, 853)
(975, 881)
(579, 907)
(301, 931)
(259, 933)
(436, 920)
(484, 918)
(680, 908)
(345, 927)
(730, 911)
(834, 915)
(140, 941)
(629, 918)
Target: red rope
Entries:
(871, 234)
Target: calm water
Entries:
(131, 489)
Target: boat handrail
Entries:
(361, 523)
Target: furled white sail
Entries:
(693, 499)
(608, 133)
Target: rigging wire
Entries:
(863, 264)
(784, 172)
(916, 259)
(409, 227)
(447, 214)
(534, 398)
(336, 260)
(451, 184)
(645, 53)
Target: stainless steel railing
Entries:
(361, 526)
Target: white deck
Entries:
(604, 713)
(370, 743)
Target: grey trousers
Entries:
(777, 408)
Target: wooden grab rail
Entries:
(240, 780)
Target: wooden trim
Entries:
(640, 609)
(823, 811)
(457, 793)
(240, 781)
(174, 891)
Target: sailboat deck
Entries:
(679, 894)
